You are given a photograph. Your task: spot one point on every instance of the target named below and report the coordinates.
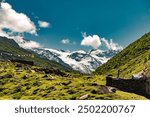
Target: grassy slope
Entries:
(130, 60)
(36, 86)
(8, 45)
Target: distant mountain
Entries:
(82, 61)
(129, 61)
(9, 50)
(18, 81)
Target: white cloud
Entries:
(111, 45)
(43, 24)
(30, 45)
(65, 41)
(26, 44)
(15, 22)
(93, 41)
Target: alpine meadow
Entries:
(74, 50)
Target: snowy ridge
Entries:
(82, 61)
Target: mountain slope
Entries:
(129, 61)
(19, 81)
(9, 49)
(24, 84)
(82, 61)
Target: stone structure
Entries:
(23, 62)
(139, 86)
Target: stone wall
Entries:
(138, 86)
(23, 62)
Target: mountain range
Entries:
(129, 61)
(85, 62)
(82, 61)
(43, 80)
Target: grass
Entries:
(31, 85)
(130, 60)
(11, 47)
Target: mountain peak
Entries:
(96, 51)
(79, 60)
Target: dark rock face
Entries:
(138, 86)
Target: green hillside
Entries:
(129, 61)
(31, 82)
(11, 47)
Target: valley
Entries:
(25, 82)
(51, 78)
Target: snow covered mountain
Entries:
(82, 61)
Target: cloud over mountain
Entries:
(26, 44)
(14, 21)
(16, 24)
(111, 45)
(93, 41)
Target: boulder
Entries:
(84, 97)
(25, 76)
(19, 70)
(101, 90)
(112, 89)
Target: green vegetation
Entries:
(48, 80)
(129, 61)
(10, 46)
(18, 81)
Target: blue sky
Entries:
(121, 20)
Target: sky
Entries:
(77, 24)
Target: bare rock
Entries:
(84, 97)
(100, 90)
(33, 71)
(25, 76)
(19, 70)
(112, 89)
